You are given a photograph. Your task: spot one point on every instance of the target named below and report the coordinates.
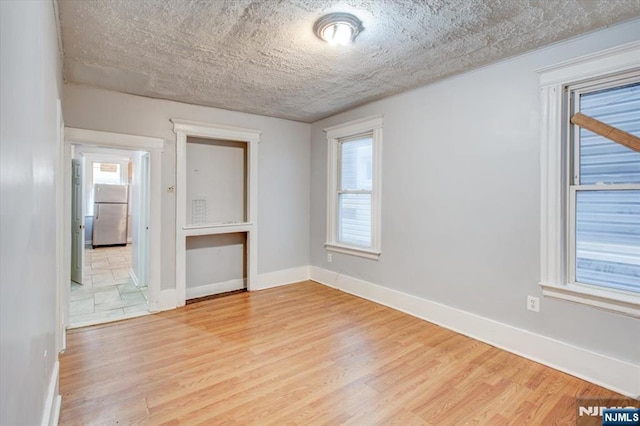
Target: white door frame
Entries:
(63, 253)
(143, 220)
(155, 146)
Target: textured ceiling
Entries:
(261, 56)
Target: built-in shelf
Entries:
(216, 182)
(225, 228)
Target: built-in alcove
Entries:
(216, 214)
(216, 182)
(215, 263)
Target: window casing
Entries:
(588, 205)
(353, 187)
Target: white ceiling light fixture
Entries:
(338, 28)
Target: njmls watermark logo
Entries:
(607, 412)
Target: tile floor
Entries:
(108, 293)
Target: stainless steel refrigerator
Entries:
(110, 211)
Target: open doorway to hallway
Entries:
(110, 222)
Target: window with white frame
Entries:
(604, 190)
(353, 199)
(590, 228)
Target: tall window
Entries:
(590, 184)
(605, 189)
(355, 190)
(353, 207)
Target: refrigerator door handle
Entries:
(97, 208)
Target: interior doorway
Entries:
(110, 222)
(147, 146)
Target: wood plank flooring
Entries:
(302, 354)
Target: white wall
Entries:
(216, 173)
(283, 167)
(461, 199)
(29, 88)
(215, 259)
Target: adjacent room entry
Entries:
(110, 199)
(117, 275)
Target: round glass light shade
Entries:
(338, 28)
(338, 33)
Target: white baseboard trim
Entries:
(215, 288)
(614, 374)
(53, 402)
(167, 299)
(282, 277)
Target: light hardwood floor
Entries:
(302, 354)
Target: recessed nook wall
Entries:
(216, 182)
(215, 263)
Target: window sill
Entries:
(354, 251)
(621, 303)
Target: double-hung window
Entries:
(604, 197)
(353, 199)
(590, 227)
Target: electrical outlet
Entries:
(533, 303)
(329, 257)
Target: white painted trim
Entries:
(623, 303)
(215, 288)
(554, 165)
(51, 411)
(183, 130)
(63, 289)
(113, 140)
(167, 299)
(132, 142)
(283, 277)
(621, 58)
(611, 373)
(354, 127)
(352, 250)
(374, 125)
(227, 228)
(181, 217)
(215, 131)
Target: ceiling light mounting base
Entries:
(338, 28)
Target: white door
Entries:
(77, 219)
(144, 215)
